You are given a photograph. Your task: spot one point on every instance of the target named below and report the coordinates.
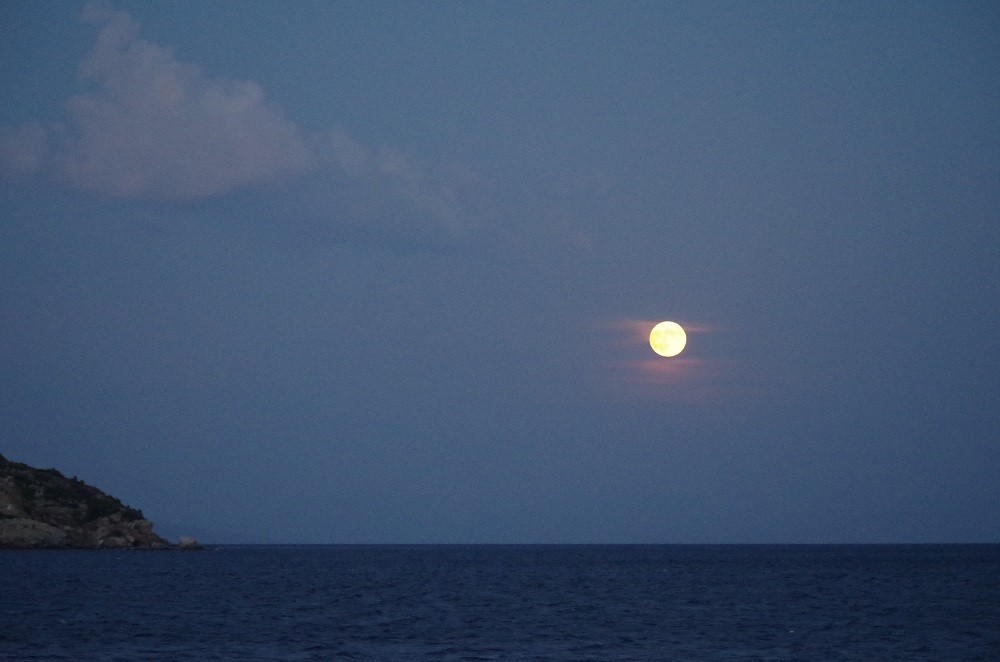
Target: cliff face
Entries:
(41, 508)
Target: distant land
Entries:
(43, 509)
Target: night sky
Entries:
(320, 272)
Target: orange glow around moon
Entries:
(667, 339)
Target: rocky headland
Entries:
(42, 509)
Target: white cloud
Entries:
(153, 127)
(148, 126)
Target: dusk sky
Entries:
(323, 272)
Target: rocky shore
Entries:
(43, 509)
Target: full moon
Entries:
(667, 339)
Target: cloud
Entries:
(147, 126)
(156, 127)
(153, 127)
(444, 194)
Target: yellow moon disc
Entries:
(667, 339)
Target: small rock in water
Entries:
(187, 542)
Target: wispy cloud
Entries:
(447, 195)
(148, 126)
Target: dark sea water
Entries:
(936, 602)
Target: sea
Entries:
(504, 602)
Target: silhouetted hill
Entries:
(41, 508)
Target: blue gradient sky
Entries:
(330, 272)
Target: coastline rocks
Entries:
(41, 508)
(22, 533)
(116, 532)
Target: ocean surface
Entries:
(881, 602)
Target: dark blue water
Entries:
(505, 603)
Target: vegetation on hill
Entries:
(44, 508)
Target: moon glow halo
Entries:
(667, 339)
